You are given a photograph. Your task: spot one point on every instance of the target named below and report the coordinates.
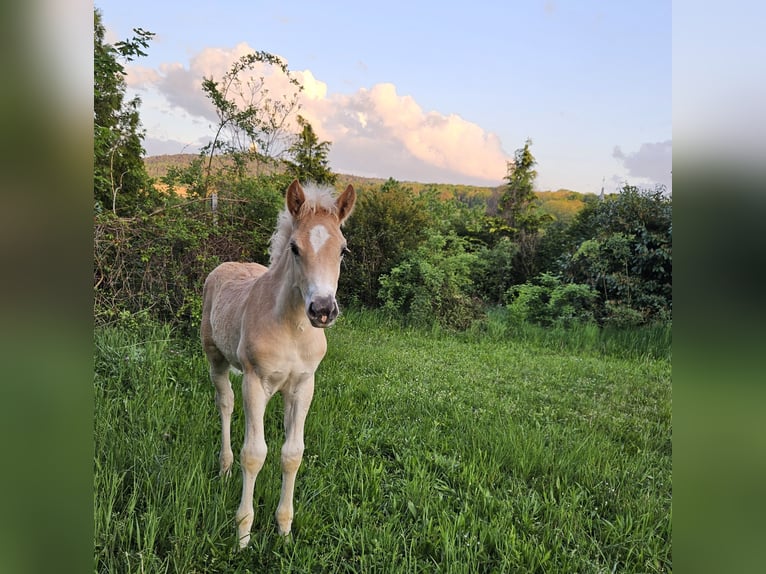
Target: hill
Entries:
(563, 204)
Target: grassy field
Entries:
(425, 452)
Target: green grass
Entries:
(425, 452)
(644, 342)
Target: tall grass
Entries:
(425, 452)
(650, 341)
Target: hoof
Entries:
(286, 531)
(243, 542)
(286, 539)
(225, 462)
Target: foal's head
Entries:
(317, 246)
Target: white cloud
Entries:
(313, 89)
(387, 125)
(182, 85)
(139, 77)
(652, 162)
(373, 131)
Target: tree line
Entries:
(419, 256)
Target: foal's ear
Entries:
(345, 203)
(294, 198)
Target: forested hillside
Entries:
(562, 203)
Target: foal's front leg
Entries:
(297, 401)
(253, 452)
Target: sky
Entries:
(435, 92)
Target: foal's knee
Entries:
(292, 455)
(252, 457)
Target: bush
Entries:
(157, 263)
(387, 223)
(433, 284)
(550, 302)
(493, 270)
(572, 303)
(622, 247)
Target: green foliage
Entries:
(622, 247)
(120, 182)
(493, 270)
(433, 284)
(549, 302)
(453, 214)
(555, 240)
(309, 156)
(157, 263)
(190, 177)
(387, 223)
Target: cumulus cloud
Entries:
(140, 76)
(375, 131)
(388, 125)
(652, 162)
(182, 85)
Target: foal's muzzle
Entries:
(323, 311)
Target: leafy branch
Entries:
(254, 119)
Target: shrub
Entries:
(622, 247)
(621, 316)
(387, 223)
(493, 268)
(572, 303)
(157, 263)
(549, 302)
(433, 284)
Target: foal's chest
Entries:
(281, 362)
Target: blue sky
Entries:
(431, 91)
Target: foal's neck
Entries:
(288, 304)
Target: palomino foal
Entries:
(268, 323)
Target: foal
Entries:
(268, 323)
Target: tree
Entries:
(252, 125)
(519, 193)
(520, 212)
(117, 136)
(309, 155)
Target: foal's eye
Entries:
(294, 248)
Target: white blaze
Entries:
(317, 236)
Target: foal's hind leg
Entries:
(224, 400)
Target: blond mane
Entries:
(318, 197)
